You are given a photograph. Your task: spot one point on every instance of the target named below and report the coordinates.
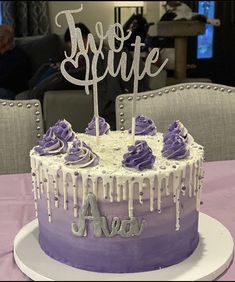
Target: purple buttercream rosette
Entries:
(144, 126)
(175, 147)
(51, 145)
(139, 156)
(55, 140)
(104, 127)
(81, 155)
(176, 141)
(177, 128)
(63, 130)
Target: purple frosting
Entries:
(175, 147)
(51, 145)
(176, 141)
(81, 155)
(55, 140)
(104, 127)
(139, 156)
(63, 130)
(144, 126)
(177, 128)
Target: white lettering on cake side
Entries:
(124, 228)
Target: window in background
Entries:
(205, 41)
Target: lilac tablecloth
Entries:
(16, 209)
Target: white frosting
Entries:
(111, 181)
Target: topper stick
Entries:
(135, 91)
(96, 112)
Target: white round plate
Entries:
(210, 259)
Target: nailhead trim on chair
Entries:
(28, 106)
(173, 89)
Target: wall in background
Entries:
(103, 11)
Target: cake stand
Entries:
(211, 258)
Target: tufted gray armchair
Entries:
(207, 111)
(20, 127)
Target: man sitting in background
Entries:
(14, 66)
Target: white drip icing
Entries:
(119, 191)
(196, 178)
(124, 191)
(131, 200)
(177, 200)
(105, 189)
(48, 199)
(65, 191)
(159, 193)
(95, 188)
(111, 191)
(198, 195)
(35, 197)
(38, 184)
(122, 183)
(152, 189)
(141, 192)
(192, 179)
(33, 170)
(85, 188)
(56, 191)
(75, 196)
(41, 187)
(183, 192)
(169, 182)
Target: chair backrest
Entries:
(20, 128)
(207, 111)
(73, 105)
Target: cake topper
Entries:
(115, 33)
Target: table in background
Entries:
(17, 209)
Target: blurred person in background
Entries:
(14, 67)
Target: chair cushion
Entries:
(21, 126)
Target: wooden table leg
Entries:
(180, 57)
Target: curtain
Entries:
(26, 17)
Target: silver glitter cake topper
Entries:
(115, 33)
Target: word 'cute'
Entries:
(79, 49)
(124, 228)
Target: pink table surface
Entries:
(16, 209)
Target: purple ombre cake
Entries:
(117, 207)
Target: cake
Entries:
(118, 207)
